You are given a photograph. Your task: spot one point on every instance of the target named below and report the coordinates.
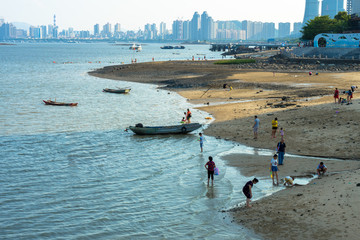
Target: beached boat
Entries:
(118, 90)
(55, 103)
(174, 129)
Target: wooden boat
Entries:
(55, 103)
(119, 90)
(175, 129)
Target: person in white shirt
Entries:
(274, 169)
(289, 181)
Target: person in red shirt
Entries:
(188, 116)
(210, 166)
(336, 95)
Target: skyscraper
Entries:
(96, 30)
(195, 27)
(311, 10)
(355, 7)
(177, 30)
(332, 7)
(284, 29)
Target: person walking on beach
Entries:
(201, 139)
(210, 166)
(256, 127)
(282, 133)
(336, 95)
(274, 170)
(281, 151)
(274, 124)
(247, 190)
(188, 116)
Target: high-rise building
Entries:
(186, 30)
(177, 30)
(96, 30)
(195, 27)
(332, 7)
(43, 32)
(107, 30)
(311, 10)
(284, 29)
(50, 31)
(117, 28)
(162, 30)
(355, 7)
(297, 28)
(269, 30)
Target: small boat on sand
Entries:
(55, 103)
(118, 90)
(174, 129)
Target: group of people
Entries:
(349, 96)
(187, 117)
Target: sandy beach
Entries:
(314, 126)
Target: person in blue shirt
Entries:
(321, 169)
(201, 139)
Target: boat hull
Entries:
(49, 102)
(175, 129)
(123, 91)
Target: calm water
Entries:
(74, 173)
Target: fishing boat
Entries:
(174, 129)
(118, 90)
(55, 103)
(136, 47)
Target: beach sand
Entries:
(326, 208)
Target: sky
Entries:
(134, 14)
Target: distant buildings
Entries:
(332, 7)
(311, 10)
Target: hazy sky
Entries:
(134, 14)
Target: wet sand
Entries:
(313, 124)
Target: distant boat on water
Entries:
(174, 129)
(173, 47)
(136, 47)
(118, 90)
(55, 103)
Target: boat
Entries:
(174, 129)
(136, 47)
(55, 103)
(118, 90)
(172, 47)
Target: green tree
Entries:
(325, 24)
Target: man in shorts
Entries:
(256, 127)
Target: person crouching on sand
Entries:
(274, 169)
(321, 169)
(247, 190)
(210, 167)
(289, 181)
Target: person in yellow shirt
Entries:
(274, 124)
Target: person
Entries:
(281, 150)
(183, 120)
(274, 169)
(188, 116)
(282, 133)
(274, 124)
(289, 181)
(210, 166)
(353, 88)
(247, 190)
(321, 169)
(348, 97)
(256, 127)
(336, 95)
(201, 139)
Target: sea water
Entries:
(75, 173)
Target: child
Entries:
(183, 120)
(248, 192)
(282, 133)
(210, 167)
(289, 181)
(321, 169)
(201, 139)
(274, 170)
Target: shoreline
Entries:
(313, 126)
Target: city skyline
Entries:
(82, 15)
